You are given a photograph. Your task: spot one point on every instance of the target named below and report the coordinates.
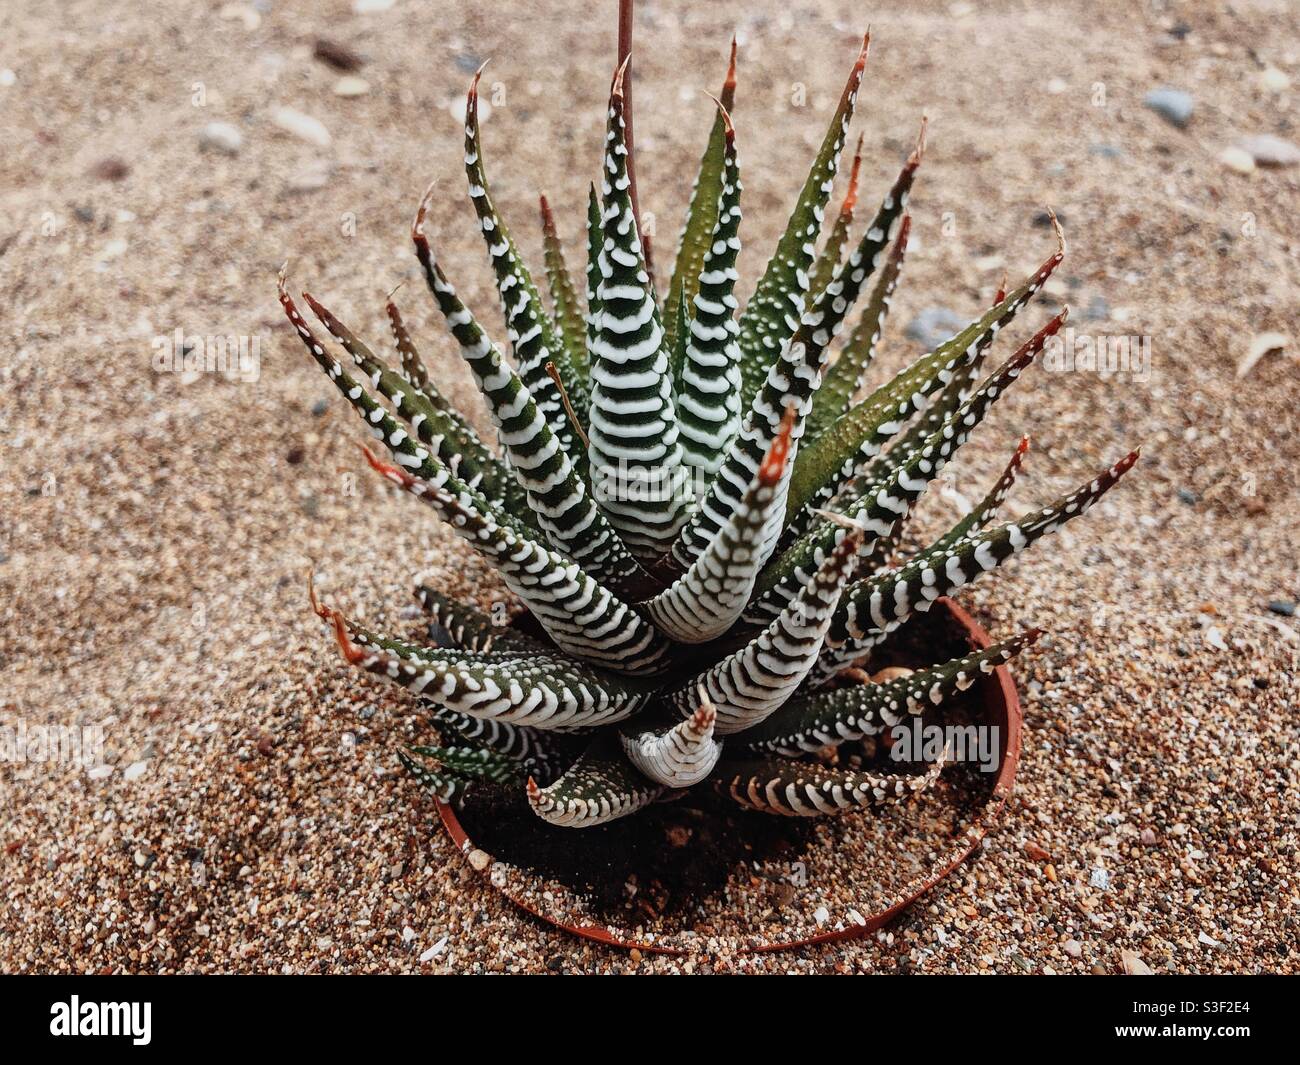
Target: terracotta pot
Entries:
(1001, 707)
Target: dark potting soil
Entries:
(669, 856)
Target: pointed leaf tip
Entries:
(919, 150)
(322, 612)
(386, 469)
(417, 223)
(473, 85)
(1060, 233)
(350, 651)
(726, 115)
(617, 88)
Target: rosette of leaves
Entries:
(700, 505)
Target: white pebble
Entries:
(1237, 159)
(351, 85)
(304, 127)
(434, 950)
(221, 137)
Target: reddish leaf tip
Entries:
(417, 224)
(320, 611)
(347, 648)
(548, 218)
(386, 469)
(725, 115)
(919, 150)
(617, 89)
(1060, 233)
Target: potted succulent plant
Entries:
(698, 512)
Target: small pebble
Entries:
(821, 915)
(221, 137)
(302, 126)
(249, 16)
(479, 860)
(1173, 105)
(1268, 150)
(1274, 80)
(110, 169)
(434, 950)
(1133, 965)
(1237, 160)
(1261, 344)
(1282, 606)
(135, 770)
(319, 407)
(310, 178)
(351, 86)
(1073, 948)
(337, 55)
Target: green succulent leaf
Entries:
(600, 786)
(536, 341)
(638, 472)
(774, 311)
(569, 315)
(831, 455)
(809, 724)
(701, 219)
(845, 375)
(809, 789)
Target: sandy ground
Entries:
(156, 530)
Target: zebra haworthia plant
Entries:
(701, 578)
